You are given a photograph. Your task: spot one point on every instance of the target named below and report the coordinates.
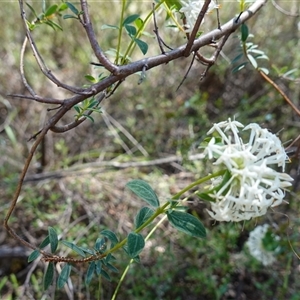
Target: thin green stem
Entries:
(131, 261)
(120, 32)
(160, 210)
(132, 44)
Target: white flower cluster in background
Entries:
(191, 10)
(256, 246)
(250, 184)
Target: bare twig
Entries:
(93, 40)
(38, 99)
(187, 72)
(40, 60)
(217, 52)
(280, 91)
(155, 30)
(193, 34)
(279, 8)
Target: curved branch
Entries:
(93, 41)
(47, 72)
(38, 99)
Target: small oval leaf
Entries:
(131, 30)
(142, 45)
(90, 273)
(107, 26)
(64, 275)
(143, 190)
(244, 32)
(135, 244)
(186, 223)
(130, 19)
(74, 248)
(110, 235)
(48, 278)
(53, 239)
(73, 8)
(105, 275)
(51, 10)
(34, 255)
(112, 268)
(45, 242)
(98, 267)
(252, 61)
(143, 215)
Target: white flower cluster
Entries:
(191, 10)
(250, 185)
(256, 246)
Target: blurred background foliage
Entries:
(142, 122)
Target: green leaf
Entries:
(89, 117)
(244, 32)
(266, 71)
(130, 19)
(98, 267)
(100, 244)
(142, 45)
(110, 235)
(131, 30)
(186, 223)
(54, 25)
(10, 134)
(143, 215)
(45, 242)
(63, 6)
(252, 61)
(105, 275)
(34, 255)
(51, 10)
(48, 278)
(69, 17)
(73, 8)
(86, 250)
(135, 244)
(32, 10)
(90, 78)
(238, 57)
(77, 108)
(139, 23)
(107, 26)
(175, 3)
(53, 239)
(90, 273)
(143, 190)
(74, 248)
(112, 268)
(205, 196)
(64, 275)
(239, 67)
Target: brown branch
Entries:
(200, 18)
(280, 91)
(93, 40)
(38, 99)
(216, 54)
(47, 72)
(60, 129)
(279, 8)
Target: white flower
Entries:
(257, 248)
(250, 184)
(191, 10)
